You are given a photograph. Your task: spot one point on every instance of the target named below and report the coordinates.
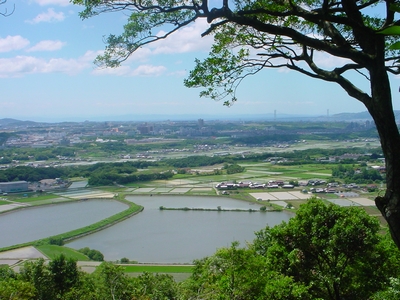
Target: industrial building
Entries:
(13, 187)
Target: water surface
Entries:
(172, 236)
(29, 224)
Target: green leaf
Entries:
(392, 30)
(395, 46)
(394, 7)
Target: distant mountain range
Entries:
(354, 116)
(14, 122)
(341, 117)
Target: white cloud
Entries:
(90, 56)
(11, 43)
(141, 54)
(22, 65)
(49, 16)
(148, 70)
(143, 70)
(53, 2)
(187, 39)
(179, 73)
(120, 71)
(325, 60)
(47, 45)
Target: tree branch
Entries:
(336, 76)
(6, 13)
(389, 13)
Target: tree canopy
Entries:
(252, 35)
(324, 252)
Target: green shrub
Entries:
(56, 241)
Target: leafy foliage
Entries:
(93, 254)
(14, 289)
(233, 168)
(4, 136)
(324, 252)
(30, 174)
(64, 274)
(336, 252)
(155, 286)
(56, 241)
(361, 175)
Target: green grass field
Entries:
(53, 251)
(296, 203)
(34, 197)
(260, 172)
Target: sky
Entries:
(47, 73)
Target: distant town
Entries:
(17, 133)
(168, 144)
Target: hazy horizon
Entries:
(190, 117)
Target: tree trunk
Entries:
(381, 110)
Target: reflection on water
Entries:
(179, 236)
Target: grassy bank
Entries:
(53, 251)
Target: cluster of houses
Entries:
(334, 187)
(253, 185)
(314, 184)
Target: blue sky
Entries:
(47, 73)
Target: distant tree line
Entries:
(31, 174)
(348, 173)
(281, 137)
(106, 178)
(33, 154)
(315, 155)
(121, 173)
(195, 161)
(127, 172)
(98, 174)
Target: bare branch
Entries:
(6, 13)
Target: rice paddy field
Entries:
(256, 172)
(200, 184)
